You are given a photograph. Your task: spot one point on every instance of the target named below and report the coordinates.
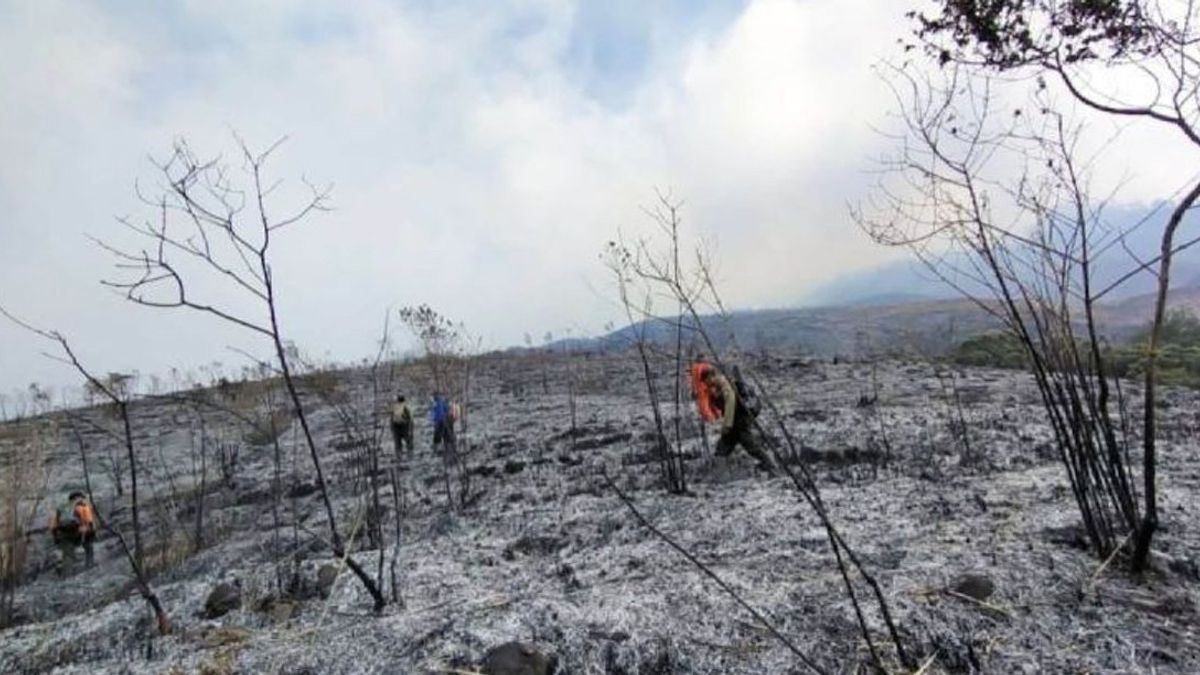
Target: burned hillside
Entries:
(945, 482)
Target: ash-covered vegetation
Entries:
(944, 480)
(569, 513)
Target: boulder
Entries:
(517, 658)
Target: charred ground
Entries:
(925, 490)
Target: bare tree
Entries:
(255, 416)
(362, 414)
(469, 350)
(136, 555)
(112, 462)
(999, 207)
(645, 272)
(24, 445)
(209, 229)
(440, 341)
(447, 351)
(1096, 53)
(694, 292)
(547, 345)
(199, 451)
(572, 387)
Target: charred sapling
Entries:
(1095, 54)
(210, 228)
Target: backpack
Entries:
(706, 403)
(85, 514)
(400, 414)
(68, 521)
(746, 394)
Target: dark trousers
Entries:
(402, 436)
(67, 543)
(443, 434)
(741, 433)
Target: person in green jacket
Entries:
(402, 426)
(73, 524)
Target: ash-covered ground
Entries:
(545, 554)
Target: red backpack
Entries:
(708, 408)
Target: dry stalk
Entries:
(927, 665)
(981, 603)
(707, 571)
(1095, 578)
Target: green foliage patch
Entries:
(1178, 352)
(994, 349)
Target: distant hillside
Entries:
(910, 278)
(927, 327)
(863, 287)
(930, 326)
(1123, 318)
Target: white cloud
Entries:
(476, 168)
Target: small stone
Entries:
(532, 544)
(326, 576)
(1189, 569)
(283, 610)
(279, 609)
(973, 585)
(516, 658)
(223, 599)
(302, 490)
(226, 635)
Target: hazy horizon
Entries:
(481, 156)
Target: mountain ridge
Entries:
(929, 326)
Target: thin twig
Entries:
(925, 666)
(787, 642)
(981, 603)
(1111, 556)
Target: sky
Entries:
(481, 154)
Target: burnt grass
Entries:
(545, 554)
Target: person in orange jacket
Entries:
(73, 524)
(717, 400)
(704, 403)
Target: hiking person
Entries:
(442, 415)
(402, 426)
(717, 399)
(73, 524)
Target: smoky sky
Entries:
(481, 155)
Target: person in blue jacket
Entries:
(442, 415)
